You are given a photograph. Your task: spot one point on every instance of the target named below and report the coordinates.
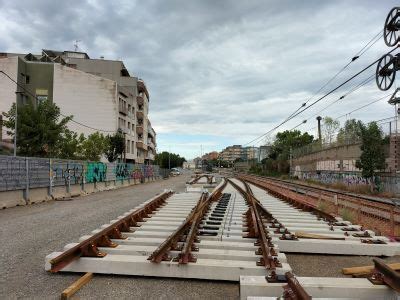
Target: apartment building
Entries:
(251, 153)
(237, 152)
(210, 156)
(232, 153)
(100, 94)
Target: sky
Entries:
(219, 72)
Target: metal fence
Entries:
(27, 172)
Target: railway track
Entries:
(377, 214)
(238, 232)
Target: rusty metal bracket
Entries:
(383, 274)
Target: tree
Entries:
(70, 145)
(280, 150)
(114, 146)
(94, 146)
(289, 139)
(39, 130)
(330, 126)
(164, 159)
(372, 158)
(350, 132)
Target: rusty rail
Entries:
(382, 216)
(188, 227)
(293, 290)
(264, 240)
(197, 178)
(88, 247)
(383, 274)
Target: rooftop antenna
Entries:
(76, 47)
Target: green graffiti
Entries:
(95, 172)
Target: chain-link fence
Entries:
(27, 172)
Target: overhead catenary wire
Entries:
(352, 90)
(364, 49)
(320, 98)
(356, 109)
(33, 95)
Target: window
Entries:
(128, 144)
(27, 79)
(133, 147)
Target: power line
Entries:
(30, 93)
(321, 98)
(364, 49)
(355, 88)
(357, 109)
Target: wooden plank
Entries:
(74, 287)
(365, 270)
(306, 235)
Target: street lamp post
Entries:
(16, 121)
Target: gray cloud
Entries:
(222, 64)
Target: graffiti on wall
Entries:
(66, 173)
(350, 179)
(133, 171)
(96, 172)
(24, 173)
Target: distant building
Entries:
(232, 153)
(99, 93)
(250, 153)
(211, 156)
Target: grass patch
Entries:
(347, 215)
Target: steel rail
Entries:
(380, 216)
(327, 190)
(264, 240)
(189, 226)
(383, 274)
(88, 247)
(197, 178)
(161, 253)
(304, 205)
(293, 290)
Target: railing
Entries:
(317, 146)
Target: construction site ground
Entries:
(29, 233)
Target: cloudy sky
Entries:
(219, 72)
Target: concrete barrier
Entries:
(36, 195)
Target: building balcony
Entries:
(139, 160)
(139, 128)
(150, 156)
(141, 145)
(140, 100)
(151, 144)
(123, 110)
(142, 88)
(139, 114)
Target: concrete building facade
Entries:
(99, 93)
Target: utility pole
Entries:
(16, 120)
(319, 118)
(169, 158)
(15, 125)
(291, 162)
